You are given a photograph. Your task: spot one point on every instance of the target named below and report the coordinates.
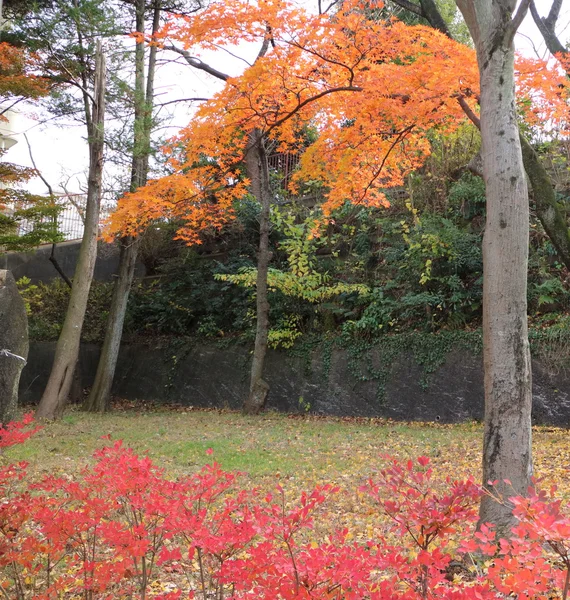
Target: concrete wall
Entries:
(38, 268)
(207, 376)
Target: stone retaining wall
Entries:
(209, 376)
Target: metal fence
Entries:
(282, 165)
(71, 218)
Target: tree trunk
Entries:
(547, 210)
(508, 394)
(58, 387)
(259, 388)
(99, 399)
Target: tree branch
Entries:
(197, 63)
(7, 108)
(469, 112)
(52, 257)
(553, 15)
(517, 20)
(265, 46)
(432, 14)
(182, 100)
(413, 8)
(546, 28)
(333, 3)
(399, 137)
(348, 88)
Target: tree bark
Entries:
(547, 209)
(55, 396)
(508, 396)
(258, 389)
(99, 399)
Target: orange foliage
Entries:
(16, 74)
(543, 91)
(371, 89)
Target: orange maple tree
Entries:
(372, 89)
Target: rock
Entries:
(13, 344)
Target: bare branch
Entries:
(182, 100)
(553, 15)
(52, 257)
(266, 41)
(546, 28)
(469, 112)
(348, 88)
(236, 56)
(197, 63)
(72, 80)
(7, 108)
(517, 20)
(38, 172)
(431, 13)
(333, 3)
(408, 5)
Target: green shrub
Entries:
(46, 304)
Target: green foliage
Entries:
(29, 292)
(364, 275)
(428, 350)
(285, 332)
(46, 304)
(29, 220)
(429, 188)
(550, 341)
(188, 298)
(467, 196)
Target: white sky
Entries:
(60, 152)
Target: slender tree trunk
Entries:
(100, 395)
(508, 395)
(259, 388)
(547, 209)
(549, 212)
(58, 387)
(99, 399)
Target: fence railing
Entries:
(71, 218)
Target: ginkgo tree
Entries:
(369, 88)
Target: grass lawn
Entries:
(301, 451)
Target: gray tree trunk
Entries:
(258, 388)
(99, 399)
(13, 345)
(548, 211)
(508, 395)
(55, 396)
